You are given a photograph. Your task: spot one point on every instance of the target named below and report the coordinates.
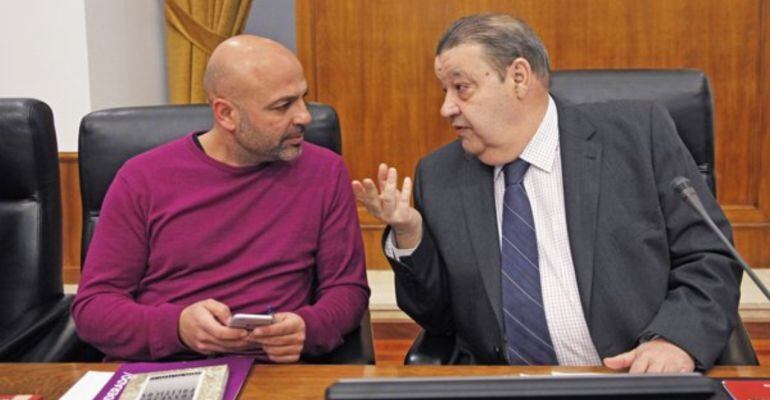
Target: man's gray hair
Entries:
(504, 39)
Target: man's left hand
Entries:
(655, 356)
(282, 340)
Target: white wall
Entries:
(273, 19)
(83, 55)
(126, 53)
(44, 55)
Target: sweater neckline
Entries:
(199, 153)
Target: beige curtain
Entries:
(193, 29)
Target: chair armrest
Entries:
(357, 347)
(431, 349)
(62, 344)
(22, 334)
(738, 350)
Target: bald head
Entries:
(256, 90)
(240, 61)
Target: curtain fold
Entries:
(193, 29)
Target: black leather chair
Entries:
(33, 308)
(110, 137)
(687, 96)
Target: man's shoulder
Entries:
(154, 159)
(318, 162)
(161, 152)
(446, 156)
(611, 111)
(634, 118)
(316, 155)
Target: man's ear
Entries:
(225, 114)
(521, 73)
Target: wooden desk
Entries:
(289, 381)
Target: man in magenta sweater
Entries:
(245, 217)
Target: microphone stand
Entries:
(682, 186)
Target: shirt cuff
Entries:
(394, 252)
(648, 337)
(317, 339)
(164, 331)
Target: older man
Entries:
(245, 217)
(548, 233)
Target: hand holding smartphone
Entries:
(250, 321)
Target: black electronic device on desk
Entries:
(614, 386)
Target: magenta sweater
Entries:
(177, 227)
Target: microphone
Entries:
(682, 186)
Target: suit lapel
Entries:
(481, 222)
(581, 169)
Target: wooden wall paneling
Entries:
(304, 11)
(374, 62)
(751, 220)
(71, 216)
(371, 230)
(761, 178)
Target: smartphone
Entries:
(250, 321)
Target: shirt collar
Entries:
(541, 150)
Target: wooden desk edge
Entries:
(295, 381)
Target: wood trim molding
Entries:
(71, 215)
(741, 214)
(762, 177)
(305, 23)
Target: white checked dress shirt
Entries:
(561, 299)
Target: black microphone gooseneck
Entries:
(682, 186)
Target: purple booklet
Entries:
(238, 369)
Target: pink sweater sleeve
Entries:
(105, 312)
(342, 294)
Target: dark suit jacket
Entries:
(644, 261)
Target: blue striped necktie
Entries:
(526, 330)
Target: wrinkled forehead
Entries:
(464, 61)
(283, 80)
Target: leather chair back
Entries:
(33, 308)
(686, 94)
(30, 208)
(110, 137)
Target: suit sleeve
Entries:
(701, 306)
(421, 284)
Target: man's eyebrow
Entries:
(289, 98)
(460, 74)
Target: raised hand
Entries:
(391, 205)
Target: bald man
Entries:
(243, 218)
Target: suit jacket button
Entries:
(497, 349)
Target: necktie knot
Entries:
(514, 171)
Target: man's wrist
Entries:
(407, 237)
(648, 337)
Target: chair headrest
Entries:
(28, 147)
(685, 93)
